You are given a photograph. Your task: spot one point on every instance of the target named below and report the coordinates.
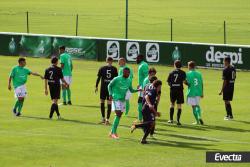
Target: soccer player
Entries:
(148, 110)
(118, 88)
(52, 77)
(195, 91)
(67, 67)
(142, 74)
(105, 74)
(19, 75)
(151, 72)
(229, 76)
(122, 64)
(175, 80)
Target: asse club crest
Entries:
(113, 49)
(152, 52)
(133, 50)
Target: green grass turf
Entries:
(194, 20)
(33, 140)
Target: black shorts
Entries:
(228, 94)
(148, 116)
(104, 94)
(55, 91)
(177, 96)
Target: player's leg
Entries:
(68, 79)
(179, 114)
(119, 108)
(147, 131)
(19, 110)
(102, 107)
(64, 94)
(55, 101)
(198, 111)
(128, 96)
(108, 111)
(229, 110)
(172, 105)
(180, 101)
(139, 109)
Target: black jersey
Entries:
(53, 74)
(106, 74)
(152, 93)
(175, 79)
(229, 75)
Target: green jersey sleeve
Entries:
(110, 86)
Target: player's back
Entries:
(142, 72)
(53, 74)
(229, 74)
(107, 73)
(65, 59)
(176, 79)
(195, 83)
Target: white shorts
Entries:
(20, 91)
(68, 79)
(140, 93)
(193, 101)
(118, 106)
(128, 95)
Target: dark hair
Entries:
(126, 68)
(152, 79)
(109, 59)
(227, 59)
(140, 56)
(62, 47)
(122, 59)
(157, 83)
(191, 64)
(54, 60)
(21, 59)
(152, 70)
(178, 64)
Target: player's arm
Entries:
(110, 86)
(64, 82)
(168, 80)
(151, 106)
(132, 90)
(71, 65)
(9, 82)
(46, 87)
(36, 74)
(224, 77)
(99, 76)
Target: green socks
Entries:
(195, 115)
(127, 107)
(139, 111)
(115, 125)
(69, 94)
(198, 111)
(64, 92)
(18, 106)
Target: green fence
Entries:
(159, 52)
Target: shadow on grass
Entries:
(176, 144)
(187, 137)
(86, 106)
(63, 120)
(245, 122)
(206, 127)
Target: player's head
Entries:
(157, 84)
(139, 58)
(177, 64)
(126, 72)
(152, 79)
(227, 61)
(109, 60)
(191, 65)
(61, 49)
(122, 62)
(152, 71)
(54, 60)
(22, 61)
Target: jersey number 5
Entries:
(108, 73)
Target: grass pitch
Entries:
(33, 140)
(193, 20)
